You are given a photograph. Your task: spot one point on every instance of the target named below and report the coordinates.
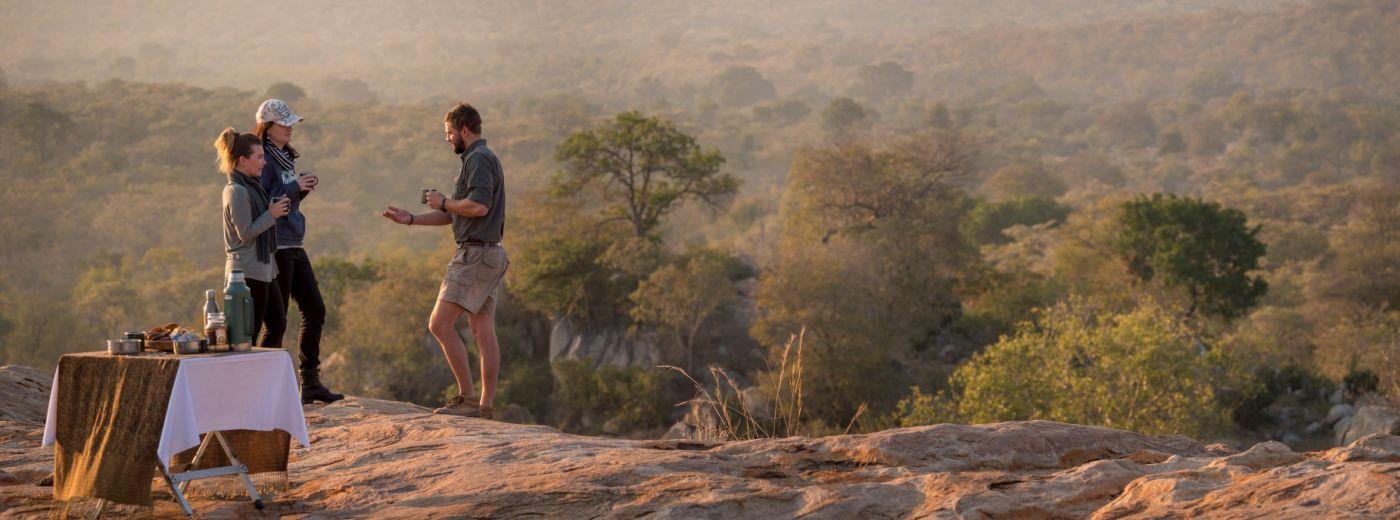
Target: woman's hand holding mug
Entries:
(280, 206)
(307, 181)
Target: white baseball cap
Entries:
(277, 111)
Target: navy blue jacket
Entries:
(291, 228)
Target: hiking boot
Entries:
(312, 390)
(487, 412)
(460, 405)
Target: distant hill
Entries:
(619, 53)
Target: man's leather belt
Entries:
(478, 243)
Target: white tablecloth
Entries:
(251, 391)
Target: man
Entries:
(476, 211)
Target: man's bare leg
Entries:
(443, 326)
(484, 331)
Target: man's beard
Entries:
(458, 147)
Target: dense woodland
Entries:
(1164, 218)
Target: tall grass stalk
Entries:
(733, 419)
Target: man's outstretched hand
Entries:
(398, 215)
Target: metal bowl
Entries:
(189, 347)
(123, 347)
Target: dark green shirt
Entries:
(482, 181)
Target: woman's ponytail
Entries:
(230, 145)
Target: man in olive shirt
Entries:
(477, 213)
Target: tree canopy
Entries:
(646, 168)
(1206, 250)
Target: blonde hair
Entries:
(231, 145)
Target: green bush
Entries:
(1360, 382)
(529, 385)
(1249, 406)
(986, 222)
(1139, 371)
(637, 398)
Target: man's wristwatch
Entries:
(443, 206)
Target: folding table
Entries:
(210, 394)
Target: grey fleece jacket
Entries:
(241, 230)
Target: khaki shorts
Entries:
(474, 278)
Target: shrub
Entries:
(528, 385)
(1139, 371)
(1359, 382)
(1249, 407)
(638, 398)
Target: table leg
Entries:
(233, 461)
(194, 463)
(175, 490)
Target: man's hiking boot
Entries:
(312, 390)
(460, 405)
(487, 412)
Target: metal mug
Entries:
(123, 347)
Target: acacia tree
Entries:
(1202, 248)
(646, 166)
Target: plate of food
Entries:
(173, 338)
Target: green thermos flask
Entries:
(238, 311)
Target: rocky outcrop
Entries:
(610, 347)
(24, 394)
(1371, 420)
(384, 459)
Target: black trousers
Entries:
(298, 282)
(268, 309)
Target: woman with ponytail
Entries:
(249, 217)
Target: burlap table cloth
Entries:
(111, 410)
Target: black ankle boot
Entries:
(312, 390)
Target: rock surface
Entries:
(24, 394)
(384, 459)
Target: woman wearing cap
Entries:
(295, 278)
(249, 215)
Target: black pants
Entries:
(268, 311)
(298, 282)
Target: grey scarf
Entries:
(257, 198)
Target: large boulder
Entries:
(1337, 413)
(1371, 420)
(25, 394)
(612, 347)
